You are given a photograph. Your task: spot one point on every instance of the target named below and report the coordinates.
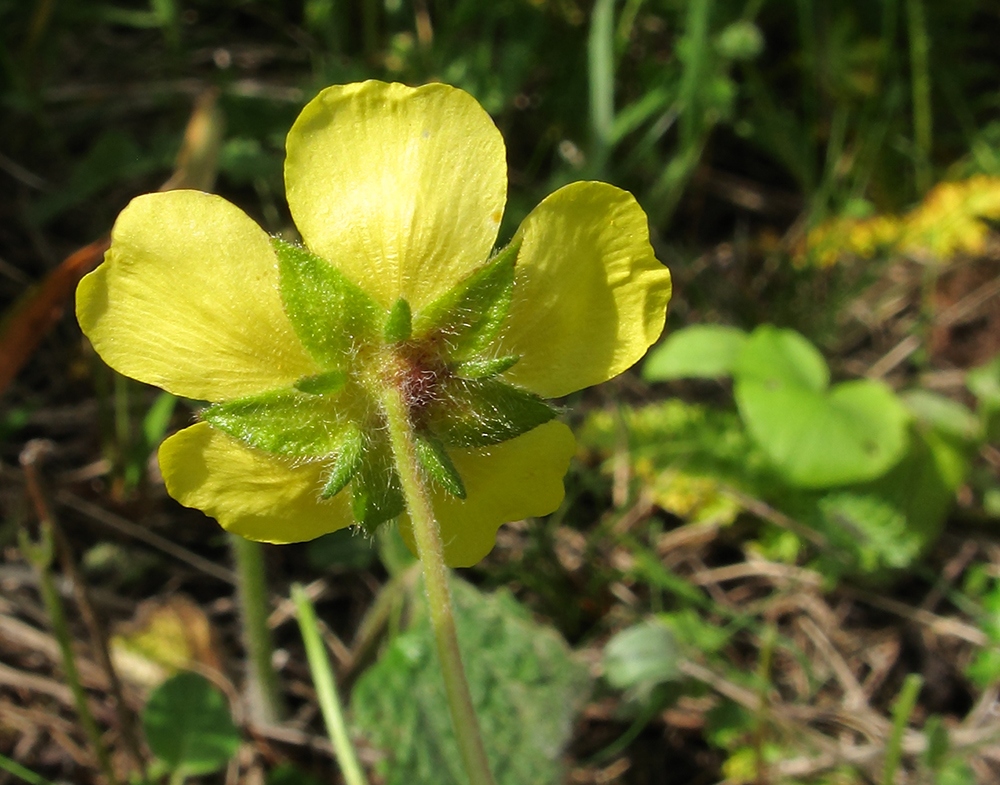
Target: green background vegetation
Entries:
(777, 560)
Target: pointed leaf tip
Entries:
(437, 463)
(399, 325)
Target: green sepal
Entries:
(477, 413)
(434, 460)
(330, 313)
(399, 324)
(322, 383)
(284, 422)
(468, 317)
(484, 368)
(347, 463)
(376, 493)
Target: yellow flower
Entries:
(398, 195)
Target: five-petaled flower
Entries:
(398, 195)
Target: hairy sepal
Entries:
(469, 316)
(330, 314)
(376, 493)
(434, 460)
(283, 422)
(478, 413)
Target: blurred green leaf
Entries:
(114, 157)
(741, 40)
(347, 549)
(526, 688)
(641, 658)
(157, 420)
(287, 774)
(189, 727)
(701, 351)
(943, 414)
(816, 438)
(778, 357)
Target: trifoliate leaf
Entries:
(284, 422)
(469, 317)
(329, 312)
(477, 413)
(399, 325)
(436, 462)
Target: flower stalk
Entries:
(431, 553)
(263, 689)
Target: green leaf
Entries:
(469, 317)
(344, 549)
(157, 419)
(943, 414)
(287, 774)
(399, 325)
(703, 351)
(437, 463)
(284, 422)
(775, 356)
(984, 383)
(526, 690)
(477, 413)
(869, 527)
(938, 742)
(189, 727)
(984, 670)
(330, 313)
(816, 439)
(641, 658)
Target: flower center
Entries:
(443, 362)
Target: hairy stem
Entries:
(263, 689)
(431, 553)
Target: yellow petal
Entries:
(257, 495)
(507, 482)
(402, 189)
(589, 295)
(187, 299)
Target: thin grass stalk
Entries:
(326, 689)
(902, 710)
(40, 555)
(31, 459)
(601, 70)
(15, 768)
